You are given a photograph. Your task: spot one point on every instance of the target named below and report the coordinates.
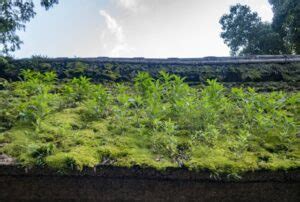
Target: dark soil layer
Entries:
(266, 73)
(112, 183)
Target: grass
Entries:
(157, 123)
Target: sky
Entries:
(131, 28)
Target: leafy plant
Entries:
(38, 93)
(77, 90)
(96, 106)
(158, 123)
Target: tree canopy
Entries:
(286, 22)
(245, 33)
(14, 14)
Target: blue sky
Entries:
(131, 28)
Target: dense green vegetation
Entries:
(264, 77)
(156, 123)
(246, 34)
(286, 22)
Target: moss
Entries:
(67, 118)
(77, 158)
(157, 123)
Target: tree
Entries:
(265, 40)
(245, 33)
(13, 16)
(286, 22)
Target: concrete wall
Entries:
(266, 73)
(111, 183)
(194, 61)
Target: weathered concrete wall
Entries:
(262, 72)
(192, 61)
(111, 183)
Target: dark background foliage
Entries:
(264, 76)
(246, 34)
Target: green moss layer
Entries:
(155, 123)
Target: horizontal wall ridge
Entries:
(191, 61)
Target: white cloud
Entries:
(168, 28)
(113, 38)
(113, 26)
(129, 4)
(176, 28)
